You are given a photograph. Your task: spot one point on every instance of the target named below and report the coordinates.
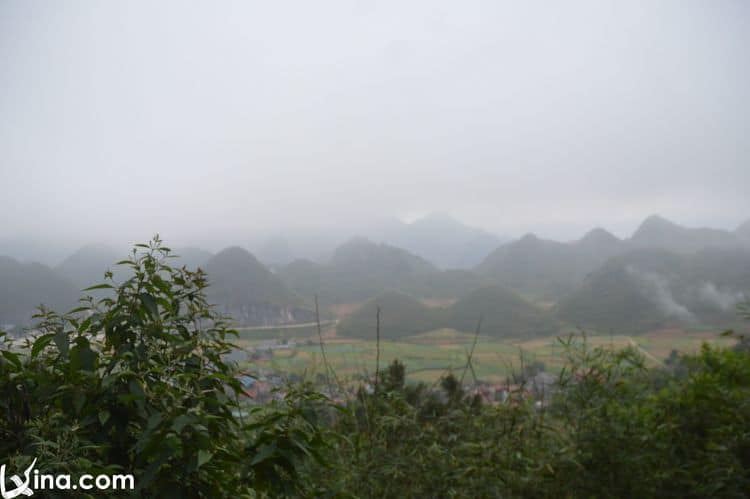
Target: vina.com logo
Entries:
(33, 480)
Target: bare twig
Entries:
(471, 352)
(322, 348)
(377, 347)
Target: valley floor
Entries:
(429, 356)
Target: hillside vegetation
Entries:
(249, 292)
(502, 312)
(548, 269)
(25, 286)
(646, 289)
(401, 316)
(360, 270)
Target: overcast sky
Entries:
(225, 119)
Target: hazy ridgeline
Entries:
(664, 275)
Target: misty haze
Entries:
(352, 249)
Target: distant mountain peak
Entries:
(86, 266)
(232, 252)
(356, 244)
(95, 250)
(658, 232)
(360, 251)
(655, 226)
(440, 238)
(237, 278)
(657, 221)
(358, 241)
(599, 236)
(744, 230)
(529, 238)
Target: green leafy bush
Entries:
(136, 383)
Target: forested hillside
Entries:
(647, 289)
(502, 313)
(25, 286)
(360, 270)
(249, 292)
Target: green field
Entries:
(253, 334)
(429, 355)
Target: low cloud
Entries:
(656, 287)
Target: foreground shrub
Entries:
(136, 383)
(614, 428)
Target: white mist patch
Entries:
(656, 287)
(725, 300)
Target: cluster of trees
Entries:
(136, 382)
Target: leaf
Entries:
(12, 357)
(264, 453)
(85, 357)
(153, 421)
(150, 304)
(62, 342)
(145, 479)
(135, 388)
(103, 416)
(40, 343)
(79, 309)
(99, 286)
(78, 400)
(180, 422)
(204, 456)
(161, 284)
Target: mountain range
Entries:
(442, 240)
(547, 270)
(663, 274)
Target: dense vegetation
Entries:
(137, 383)
(406, 316)
(503, 313)
(648, 288)
(548, 269)
(612, 429)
